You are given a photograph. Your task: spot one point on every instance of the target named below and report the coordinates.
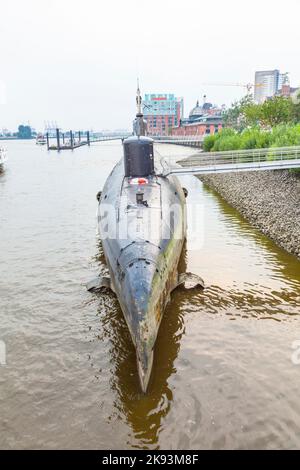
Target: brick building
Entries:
(203, 120)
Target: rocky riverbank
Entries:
(269, 200)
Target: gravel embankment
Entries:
(269, 200)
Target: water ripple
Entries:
(223, 375)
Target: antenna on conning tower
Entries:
(139, 125)
(138, 100)
(138, 150)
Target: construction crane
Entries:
(248, 86)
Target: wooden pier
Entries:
(73, 140)
(71, 143)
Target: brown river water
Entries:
(225, 372)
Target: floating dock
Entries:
(67, 147)
(71, 143)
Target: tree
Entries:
(273, 112)
(234, 117)
(296, 109)
(278, 110)
(252, 114)
(243, 114)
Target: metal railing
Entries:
(171, 139)
(109, 137)
(239, 160)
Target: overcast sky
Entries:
(76, 62)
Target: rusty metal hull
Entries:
(142, 244)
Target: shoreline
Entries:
(269, 200)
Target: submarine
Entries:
(142, 225)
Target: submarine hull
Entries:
(142, 225)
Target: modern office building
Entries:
(267, 84)
(162, 112)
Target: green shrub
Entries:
(209, 142)
(283, 135)
(230, 142)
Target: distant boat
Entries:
(41, 139)
(2, 156)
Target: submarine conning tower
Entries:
(138, 149)
(138, 156)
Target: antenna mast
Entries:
(138, 100)
(139, 125)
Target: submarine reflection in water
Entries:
(143, 413)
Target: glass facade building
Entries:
(266, 84)
(162, 112)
